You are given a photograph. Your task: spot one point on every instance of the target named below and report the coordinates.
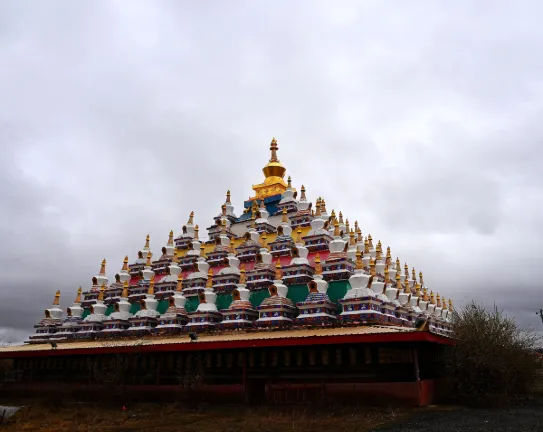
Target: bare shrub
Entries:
(492, 357)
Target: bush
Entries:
(492, 357)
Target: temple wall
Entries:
(366, 373)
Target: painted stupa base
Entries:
(225, 284)
(114, 328)
(65, 334)
(169, 328)
(203, 321)
(317, 243)
(261, 279)
(388, 317)
(366, 310)
(337, 269)
(247, 253)
(316, 312)
(40, 337)
(281, 247)
(89, 330)
(297, 274)
(216, 258)
(165, 290)
(141, 326)
(280, 315)
(192, 290)
(238, 318)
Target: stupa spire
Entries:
(78, 297)
(228, 197)
(147, 240)
(103, 268)
(125, 290)
(318, 265)
(56, 301)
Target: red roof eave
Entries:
(400, 337)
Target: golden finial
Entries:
(366, 246)
(358, 235)
(78, 297)
(388, 259)
(242, 275)
(103, 267)
(359, 262)
(196, 229)
(149, 256)
(209, 283)
(341, 217)
(56, 301)
(438, 302)
(151, 290)
(125, 290)
(378, 253)
(380, 245)
(318, 207)
(425, 294)
(284, 217)
(323, 206)
(406, 270)
(278, 271)
(223, 209)
(370, 241)
(289, 182)
(352, 240)
(228, 196)
(264, 239)
(302, 196)
(102, 292)
(333, 215)
(179, 286)
(347, 226)
(318, 265)
(387, 276)
(398, 266)
(336, 228)
(274, 148)
(417, 289)
(232, 246)
(432, 298)
(223, 226)
(421, 280)
(356, 226)
(450, 305)
(407, 288)
(170, 238)
(175, 258)
(444, 303)
(413, 274)
(299, 236)
(125, 263)
(191, 218)
(372, 267)
(202, 250)
(398, 281)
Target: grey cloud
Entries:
(119, 119)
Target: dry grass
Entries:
(76, 417)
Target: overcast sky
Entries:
(421, 119)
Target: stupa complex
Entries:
(283, 269)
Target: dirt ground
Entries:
(79, 417)
(168, 418)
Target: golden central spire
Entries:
(56, 301)
(274, 172)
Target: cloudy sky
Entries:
(420, 119)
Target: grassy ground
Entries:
(149, 417)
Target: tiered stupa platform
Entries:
(279, 264)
